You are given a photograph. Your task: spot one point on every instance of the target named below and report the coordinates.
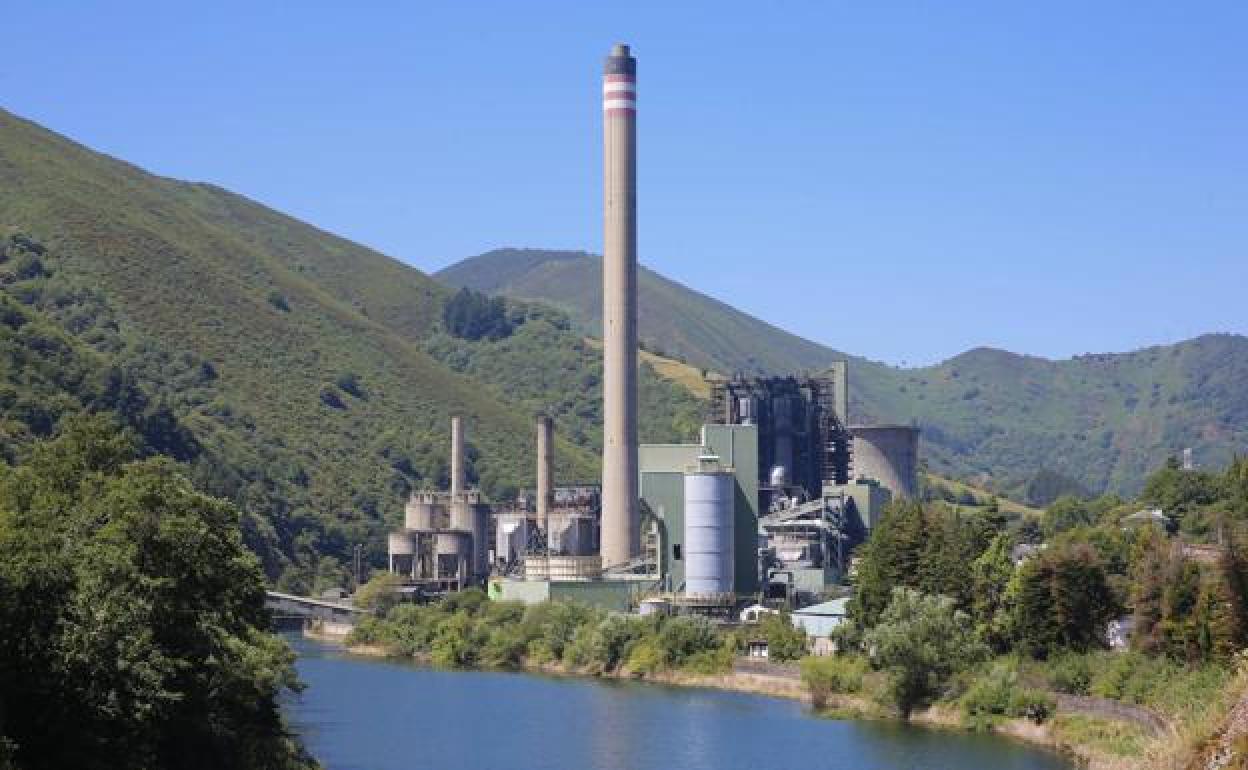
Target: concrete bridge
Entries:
(290, 611)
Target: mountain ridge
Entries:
(1103, 419)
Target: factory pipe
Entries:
(620, 517)
(457, 456)
(545, 470)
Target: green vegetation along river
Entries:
(368, 714)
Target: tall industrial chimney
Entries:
(545, 470)
(620, 523)
(457, 456)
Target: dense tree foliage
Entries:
(1047, 486)
(1183, 610)
(927, 548)
(1060, 600)
(473, 316)
(921, 641)
(1054, 590)
(132, 623)
(468, 630)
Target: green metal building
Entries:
(662, 486)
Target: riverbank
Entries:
(384, 714)
(1086, 730)
(769, 680)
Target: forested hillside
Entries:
(1013, 422)
(306, 378)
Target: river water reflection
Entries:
(364, 714)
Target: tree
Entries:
(784, 640)
(1067, 512)
(1184, 611)
(924, 548)
(132, 621)
(828, 676)
(1177, 491)
(1047, 486)
(380, 593)
(990, 575)
(921, 641)
(1060, 599)
(890, 558)
(472, 315)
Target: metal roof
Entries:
(838, 607)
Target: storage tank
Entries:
(470, 515)
(422, 512)
(401, 543)
(709, 559)
(403, 548)
(454, 555)
(890, 455)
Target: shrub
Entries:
(456, 642)
(824, 677)
(367, 631)
(997, 693)
(644, 657)
(710, 662)
(1071, 674)
(555, 624)
(504, 648)
(278, 300)
(611, 639)
(329, 397)
(683, 637)
(349, 382)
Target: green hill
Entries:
(310, 378)
(991, 416)
(676, 320)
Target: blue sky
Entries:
(897, 180)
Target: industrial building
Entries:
(443, 543)
(765, 503)
(795, 508)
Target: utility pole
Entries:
(359, 552)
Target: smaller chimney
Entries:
(457, 456)
(545, 470)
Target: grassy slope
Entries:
(194, 268)
(691, 378)
(988, 415)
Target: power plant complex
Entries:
(765, 503)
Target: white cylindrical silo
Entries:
(709, 540)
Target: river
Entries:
(368, 714)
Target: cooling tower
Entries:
(890, 455)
